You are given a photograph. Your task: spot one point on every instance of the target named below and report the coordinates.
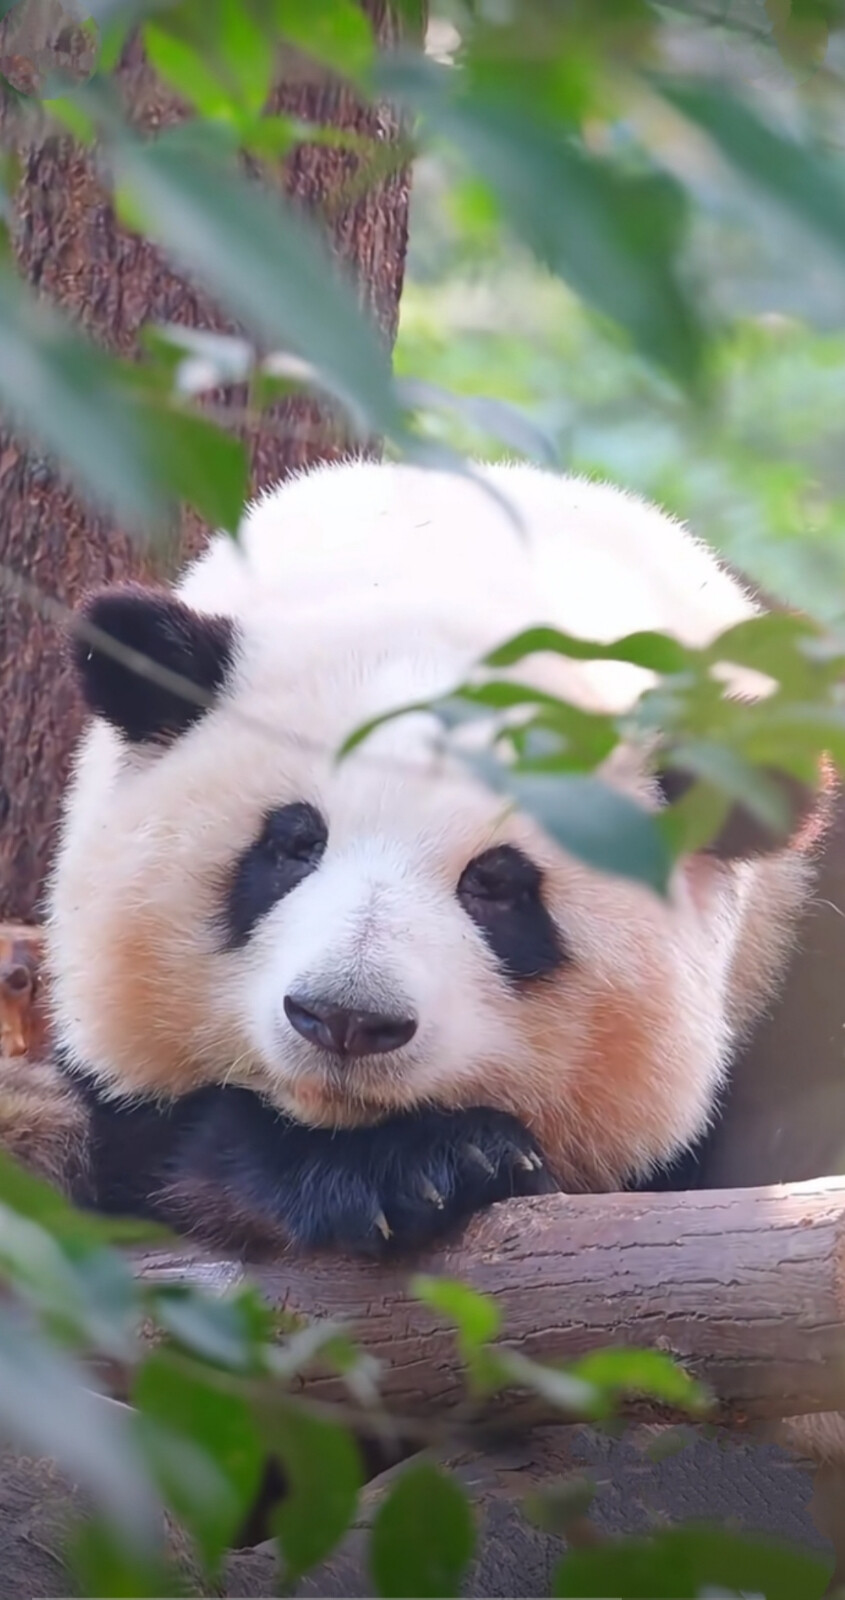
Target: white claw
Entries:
(431, 1194)
(480, 1158)
(383, 1225)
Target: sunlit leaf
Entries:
(423, 1536)
(338, 34)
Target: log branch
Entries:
(745, 1288)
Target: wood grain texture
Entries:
(745, 1288)
(111, 283)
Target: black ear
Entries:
(158, 642)
(743, 835)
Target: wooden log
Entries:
(746, 1288)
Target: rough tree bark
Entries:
(71, 249)
(745, 1288)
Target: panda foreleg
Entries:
(247, 1178)
(44, 1123)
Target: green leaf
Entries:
(682, 1563)
(801, 178)
(47, 1409)
(336, 32)
(220, 59)
(567, 1391)
(201, 464)
(268, 265)
(324, 1475)
(601, 827)
(476, 1316)
(423, 1537)
(69, 397)
(655, 652)
(204, 1446)
(555, 1509)
(641, 1372)
(613, 235)
(494, 417)
(226, 1331)
(105, 1569)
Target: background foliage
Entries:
(628, 259)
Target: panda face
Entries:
(232, 904)
(359, 938)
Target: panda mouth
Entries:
(327, 1093)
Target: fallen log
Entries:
(745, 1288)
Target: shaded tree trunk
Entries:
(71, 249)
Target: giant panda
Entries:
(298, 1001)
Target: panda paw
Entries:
(252, 1181)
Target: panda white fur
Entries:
(349, 1003)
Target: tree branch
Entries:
(746, 1288)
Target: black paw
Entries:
(247, 1172)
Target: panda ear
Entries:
(170, 641)
(742, 835)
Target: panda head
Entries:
(231, 904)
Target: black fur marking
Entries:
(501, 891)
(224, 1166)
(288, 849)
(742, 835)
(170, 635)
(367, 1191)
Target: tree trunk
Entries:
(71, 249)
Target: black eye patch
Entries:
(288, 849)
(501, 891)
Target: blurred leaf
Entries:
(324, 1475)
(201, 464)
(555, 1509)
(219, 58)
(798, 176)
(32, 1197)
(67, 394)
(72, 117)
(226, 1331)
(46, 1408)
(204, 1446)
(565, 1389)
(613, 235)
(494, 417)
(656, 652)
(268, 264)
(338, 33)
(680, 1563)
(423, 1537)
(105, 1570)
(600, 826)
(476, 1316)
(641, 1372)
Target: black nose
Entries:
(346, 1032)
